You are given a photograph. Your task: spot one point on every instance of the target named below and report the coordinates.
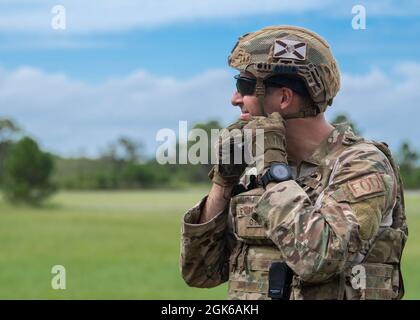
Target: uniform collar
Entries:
(334, 139)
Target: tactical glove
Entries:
(273, 150)
(230, 147)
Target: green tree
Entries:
(197, 173)
(8, 131)
(131, 150)
(407, 159)
(27, 173)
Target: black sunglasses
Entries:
(246, 86)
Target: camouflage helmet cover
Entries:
(291, 51)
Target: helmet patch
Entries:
(289, 49)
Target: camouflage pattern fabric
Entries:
(291, 52)
(230, 165)
(205, 249)
(273, 130)
(336, 213)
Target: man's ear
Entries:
(286, 99)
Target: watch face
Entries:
(280, 172)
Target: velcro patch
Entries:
(291, 49)
(366, 185)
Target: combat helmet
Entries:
(292, 52)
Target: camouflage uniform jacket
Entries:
(343, 208)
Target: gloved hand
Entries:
(227, 171)
(274, 136)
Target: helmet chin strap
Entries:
(305, 113)
(260, 94)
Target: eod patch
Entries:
(366, 185)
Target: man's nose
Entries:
(236, 99)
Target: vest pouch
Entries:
(329, 290)
(388, 247)
(374, 281)
(249, 280)
(245, 228)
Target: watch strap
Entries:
(267, 177)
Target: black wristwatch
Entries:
(278, 172)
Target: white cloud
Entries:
(92, 16)
(68, 116)
(113, 15)
(384, 104)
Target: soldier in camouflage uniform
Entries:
(342, 209)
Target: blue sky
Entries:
(134, 67)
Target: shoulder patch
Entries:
(366, 185)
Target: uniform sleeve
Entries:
(205, 248)
(317, 239)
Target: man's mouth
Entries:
(244, 115)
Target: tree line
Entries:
(29, 174)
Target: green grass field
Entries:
(119, 245)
